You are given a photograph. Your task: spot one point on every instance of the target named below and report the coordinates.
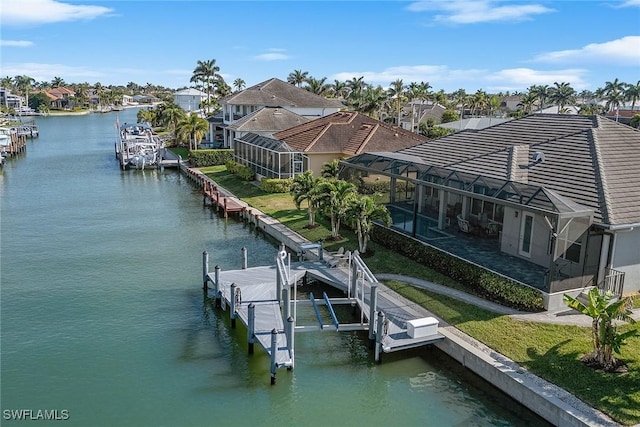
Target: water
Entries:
(102, 312)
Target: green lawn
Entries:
(550, 351)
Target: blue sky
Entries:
(480, 44)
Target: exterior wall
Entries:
(510, 239)
(188, 102)
(316, 161)
(626, 257)
(312, 112)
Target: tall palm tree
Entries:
(398, 98)
(24, 84)
(192, 128)
(57, 82)
(334, 201)
(239, 84)
(339, 89)
(362, 210)
(479, 101)
(561, 95)
(632, 93)
(356, 87)
(207, 73)
(170, 116)
(527, 102)
(613, 92)
(297, 77)
(542, 94)
(371, 101)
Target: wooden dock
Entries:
(262, 298)
(218, 199)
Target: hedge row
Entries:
(384, 187)
(275, 185)
(479, 280)
(203, 158)
(242, 171)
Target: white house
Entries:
(189, 99)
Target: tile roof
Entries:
(590, 159)
(276, 93)
(268, 119)
(349, 133)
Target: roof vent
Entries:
(538, 157)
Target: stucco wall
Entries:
(626, 257)
(511, 237)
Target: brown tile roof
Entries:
(268, 119)
(348, 133)
(590, 159)
(276, 93)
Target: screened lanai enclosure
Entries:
(269, 157)
(525, 232)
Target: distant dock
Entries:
(264, 299)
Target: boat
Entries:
(5, 143)
(138, 146)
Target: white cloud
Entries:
(471, 12)
(46, 72)
(630, 3)
(522, 78)
(16, 43)
(624, 51)
(273, 54)
(411, 73)
(29, 12)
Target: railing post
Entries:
(378, 352)
(372, 309)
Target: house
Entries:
(60, 98)
(549, 200)
(308, 146)
(266, 121)
(421, 112)
(273, 93)
(189, 99)
(9, 100)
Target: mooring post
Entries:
(274, 349)
(217, 285)
(378, 353)
(287, 302)
(251, 327)
(232, 300)
(205, 270)
(372, 309)
(244, 258)
(291, 327)
(321, 250)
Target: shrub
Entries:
(274, 185)
(480, 281)
(203, 158)
(243, 172)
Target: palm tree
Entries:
(361, 212)
(479, 101)
(603, 309)
(193, 128)
(527, 102)
(356, 87)
(57, 82)
(339, 89)
(632, 93)
(541, 92)
(207, 73)
(331, 169)
(398, 98)
(561, 95)
(371, 101)
(305, 188)
(613, 92)
(334, 201)
(24, 83)
(239, 84)
(317, 86)
(146, 116)
(170, 116)
(297, 77)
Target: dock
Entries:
(264, 299)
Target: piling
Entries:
(244, 258)
(291, 327)
(217, 285)
(232, 312)
(251, 327)
(378, 352)
(205, 270)
(372, 309)
(274, 348)
(287, 302)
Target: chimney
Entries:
(518, 163)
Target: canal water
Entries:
(103, 318)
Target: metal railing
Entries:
(613, 281)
